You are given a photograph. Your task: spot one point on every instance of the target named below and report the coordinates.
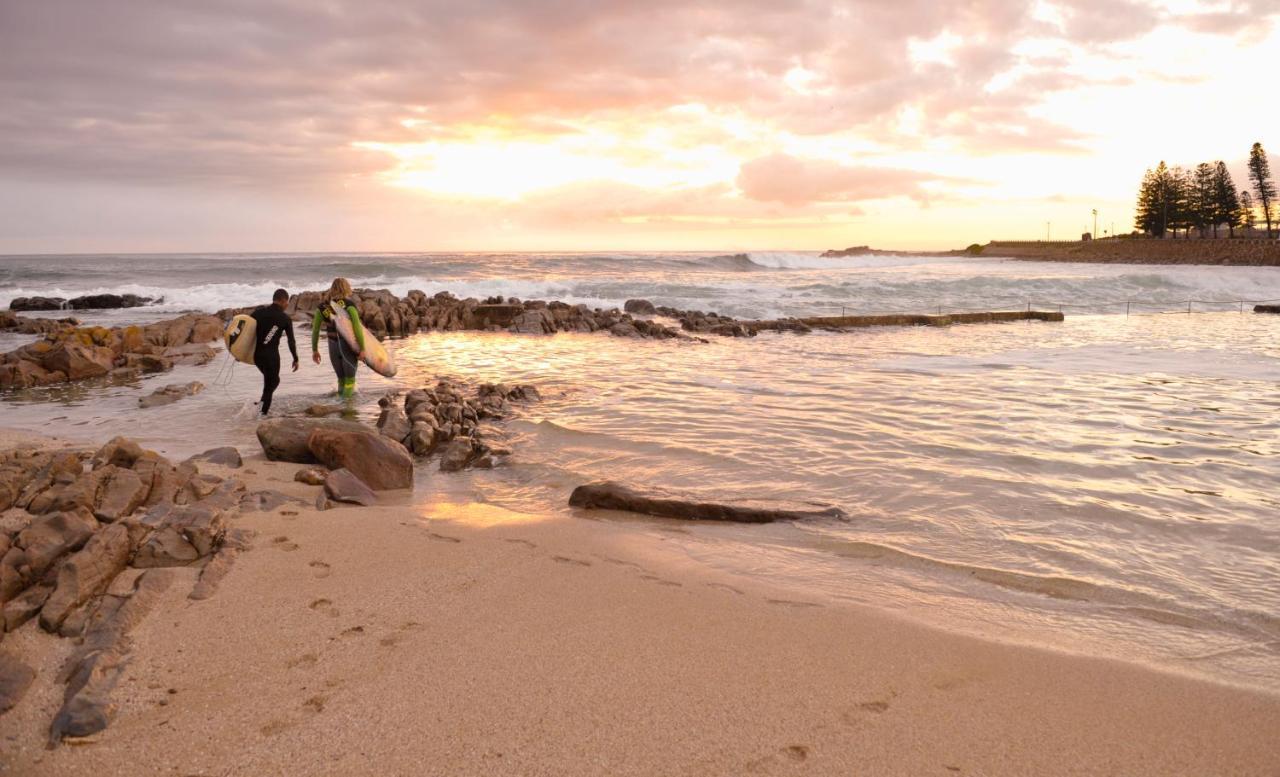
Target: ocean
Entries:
(1106, 485)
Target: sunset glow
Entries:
(708, 126)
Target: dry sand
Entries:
(464, 639)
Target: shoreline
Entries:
(1237, 252)
(469, 639)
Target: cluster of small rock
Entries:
(443, 419)
(82, 536)
(69, 352)
(89, 302)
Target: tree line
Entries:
(1205, 199)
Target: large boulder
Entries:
(226, 456)
(120, 492)
(109, 301)
(37, 303)
(640, 306)
(285, 439)
(381, 463)
(614, 496)
(393, 423)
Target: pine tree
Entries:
(1200, 200)
(1226, 200)
(1246, 211)
(1147, 214)
(1263, 185)
(1179, 201)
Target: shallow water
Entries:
(1107, 484)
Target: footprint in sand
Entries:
(274, 727)
(320, 569)
(316, 703)
(724, 587)
(660, 581)
(515, 541)
(324, 606)
(306, 659)
(877, 706)
(574, 561)
(283, 543)
(791, 754)
(792, 603)
(442, 537)
(617, 562)
(354, 631)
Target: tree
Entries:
(1181, 215)
(1263, 185)
(1246, 211)
(1147, 214)
(1201, 210)
(1226, 200)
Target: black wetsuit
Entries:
(271, 321)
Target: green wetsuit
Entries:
(341, 358)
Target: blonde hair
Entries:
(340, 289)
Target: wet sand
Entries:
(464, 639)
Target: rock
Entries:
(24, 606)
(15, 679)
(285, 439)
(119, 451)
(422, 440)
(377, 461)
(266, 501)
(109, 302)
(226, 456)
(394, 424)
(312, 476)
(614, 496)
(146, 363)
(640, 306)
(170, 394)
(190, 355)
(321, 411)
(120, 492)
(624, 329)
(27, 304)
(86, 574)
(217, 568)
(179, 535)
(78, 361)
(46, 540)
(457, 454)
(96, 666)
(342, 486)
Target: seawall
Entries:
(1255, 252)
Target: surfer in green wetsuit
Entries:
(341, 357)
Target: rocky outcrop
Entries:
(33, 304)
(88, 302)
(69, 352)
(167, 395)
(442, 418)
(614, 496)
(382, 464)
(285, 439)
(642, 307)
(78, 529)
(1266, 308)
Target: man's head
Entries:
(280, 298)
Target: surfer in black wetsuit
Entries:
(271, 322)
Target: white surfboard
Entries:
(240, 337)
(376, 356)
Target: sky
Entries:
(581, 125)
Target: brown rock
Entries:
(377, 461)
(393, 423)
(86, 574)
(120, 493)
(15, 679)
(285, 439)
(226, 456)
(312, 476)
(614, 496)
(119, 451)
(179, 535)
(167, 395)
(79, 361)
(457, 454)
(24, 606)
(342, 486)
(49, 538)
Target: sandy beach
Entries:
(465, 639)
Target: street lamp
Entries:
(1095, 223)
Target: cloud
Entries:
(274, 93)
(793, 181)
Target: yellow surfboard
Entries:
(240, 337)
(375, 354)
